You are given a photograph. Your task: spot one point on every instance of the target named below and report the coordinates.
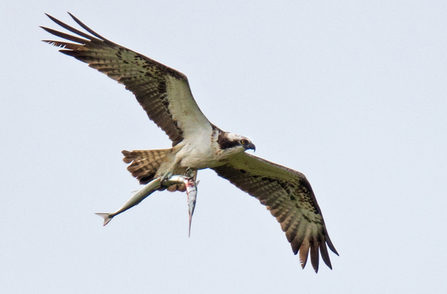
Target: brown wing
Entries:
(289, 197)
(163, 92)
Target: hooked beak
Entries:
(250, 146)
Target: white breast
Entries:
(200, 151)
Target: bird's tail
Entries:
(144, 164)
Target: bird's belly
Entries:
(197, 158)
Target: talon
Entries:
(166, 176)
(189, 172)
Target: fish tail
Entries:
(106, 216)
(189, 229)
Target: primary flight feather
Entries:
(165, 95)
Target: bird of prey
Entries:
(165, 95)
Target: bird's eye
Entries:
(243, 142)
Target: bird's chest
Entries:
(199, 154)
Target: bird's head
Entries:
(234, 143)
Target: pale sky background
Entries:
(351, 93)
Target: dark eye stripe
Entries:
(224, 144)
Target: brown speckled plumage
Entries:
(165, 95)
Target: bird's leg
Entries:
(170, 170)
(166, 176)
(190, 173)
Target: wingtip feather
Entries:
(325, 255)
(314, 255)
(304, 252)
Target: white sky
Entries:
(351, 93)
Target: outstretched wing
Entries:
(163, 92)
(289, 197)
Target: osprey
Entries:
(165, 95)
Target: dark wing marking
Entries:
(289, 197)
(163, 92)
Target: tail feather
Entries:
(144, 164)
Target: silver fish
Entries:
(140, 195)
(191, 192)
(136, 198)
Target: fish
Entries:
(136, 198)
(141, 194)
(191, 192)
